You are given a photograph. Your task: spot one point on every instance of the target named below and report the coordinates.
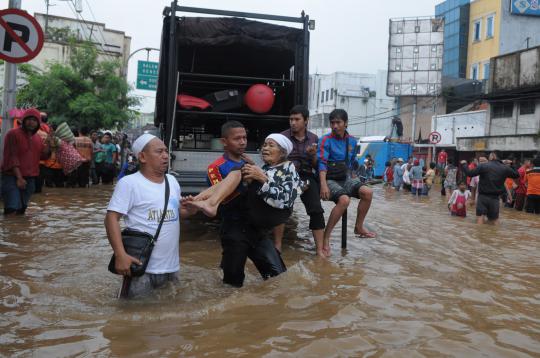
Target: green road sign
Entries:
(147, 75)
(147, 83)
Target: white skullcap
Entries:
(282, 141)
(141, 142)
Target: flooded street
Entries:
(430, 285)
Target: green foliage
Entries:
(64, 34)
(83, 93)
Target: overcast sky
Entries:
(350, 35)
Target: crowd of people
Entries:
(253, 202)
(516, 184)
(38, 154)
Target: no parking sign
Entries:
(435, 137)
(21, 36)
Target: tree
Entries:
(84, 92)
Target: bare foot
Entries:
(363, 233)
(321, 253)
(327, 252)
(205, 207)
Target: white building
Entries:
(363, 96)
(111, 44)
(457, 125)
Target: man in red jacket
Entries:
(20, 167)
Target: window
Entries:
(331, 93)
(527, 107)
(327, 98)
(486, 70)
(490, 21)
(502, 110)
(477, 27)
(322, 97)
(474, 71)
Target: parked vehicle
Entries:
(381, 152)
(207, 66)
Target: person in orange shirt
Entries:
(532, 180)
(54, 177)
(508, 196)
(85, 147)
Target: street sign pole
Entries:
(9, 98)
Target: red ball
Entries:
(259, 98)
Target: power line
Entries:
(76, 14)
(95, 20)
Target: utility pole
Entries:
(10, 91)
(46, 18)
(414, 119)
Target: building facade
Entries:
(456, 35)
(495, 29)
(363, 96)
(110, 44)
(513, 123)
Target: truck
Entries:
(382, 150)
(207, 65)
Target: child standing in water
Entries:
(458, 200)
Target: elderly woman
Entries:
(272, 189)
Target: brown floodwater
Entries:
(430, 285)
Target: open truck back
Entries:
(209, 57)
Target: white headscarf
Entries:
(282, 141)
(141, 142)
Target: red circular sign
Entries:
(21, 36)
(435, 137)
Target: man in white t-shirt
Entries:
(139, 198)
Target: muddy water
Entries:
(430, 285)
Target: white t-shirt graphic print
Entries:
(141, 202)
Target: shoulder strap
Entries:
(347, 150)
(167, 192)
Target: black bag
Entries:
(339, 170)
(140, 244)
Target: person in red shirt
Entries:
(521, 190)
(23, 149)
(388, 174)
(442, 160)
(472, 165)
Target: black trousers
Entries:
(80, 176)
(312, 202)
(533, 204)
(54, 178)
(240, 241)
(105, 172)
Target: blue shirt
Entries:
(332, 149)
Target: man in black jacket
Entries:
(491, 185)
